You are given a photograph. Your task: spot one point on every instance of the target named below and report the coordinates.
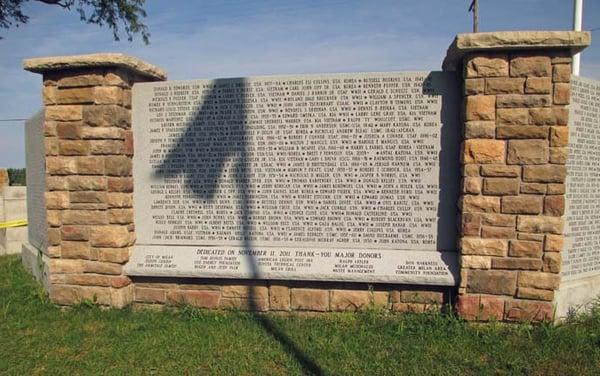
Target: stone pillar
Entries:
(89, 188)
(515, 112)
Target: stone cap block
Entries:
(53, 63)
(463, 44)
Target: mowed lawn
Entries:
(38, 338)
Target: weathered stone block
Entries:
(86, 183)
(500, 186)
(525, 248)
(559, 155)
(538, 85)
(556, 189)
(474, 86)
(149, 295)
(480, 308)
(57, 200)
(105, 116)
(118, 165)
(540, 224)
(476, 262)
(523, 100)
(512, 116)
(554, 205)
(69, 130)
(527, 152)
(348, 300)
(530, 66)
(504, 85)
(245, 291)
(552, 262)
(424, 297)
(108, 95)
(119, 200)
(500, 171)
(102, 133)
(84, 217)
(90, 165)
(524, 204)
(510, 263)
(79, 79)
(310, 299)
(554, 243)
(549, 116)
(480, 107)
(279, 298)
(88, 197)
(120, 184)
(73, 147)
(561, 73)
(64, 113)
(483, 247)
(487, 66)
(480, 204)
(559, 136)
(562, 93)
(521, 132)
(120, 216)
(480, 129)
(500, 220)
(492, 282)
(545, 173)
(483, 151)
(116, 255)
(79, 233)
(109, 236)
(539, 280)
(75, 250)
(470, 224)
(196, 298)
(493, 232)
(81, 95)
(533, 188)
(472, 185)
(106, 147)
(535, 294)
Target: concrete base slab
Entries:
(576, 296)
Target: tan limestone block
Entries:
(64, 294)
(64, 113)
(64, 266)
(530, 237)
(51, 146)
(559, 136)
(120, 184)
(81, 95)
(480, 107)
(310, 299)
(545, 173)
(106, 147)
(539, 280)
(127, 98)
(552, 262)
(499, 220)
(540, 224)
(557, 115)
(57, 200)
(149, 295)
(84, 217)
(500, 186)
(533, 188)
(559, 155)
(73, 147)
(49, 95)
(196, 298)
(245, 291)
(556, 189)
(500, 171)
(554, 205)
(483, 151)
(512, 116)
(525, 248)
(535, 294)
(470, 224)
(530, 66)
(79, 79)
(511, 263)
(120, 216)
(521, 132)
(102, 133)
(118, 165)
(524, 204)
(349, 300)
(504, 85)
(90, 165)
(128, 143)
(108, 95)
(554, 243)
(476, 262)
(471, 185)
(561, 73)
(88, 197)
(79, 233)
(75, 250)
(107, 115)
(54, 218)
(474, 86)
(119, 200)
(480, 308)
(115, 255)
(56, 183)
(493, 232)
(279, 298)
(86, 183)
(483, 247)
(109, 236)
(60, 166)
(480, 129)
(538, 85)
(470, 170)
(54, 236)
(480, 204)
(493, 282)
(523, 100)
(70, 130)
(493, 65)
(424, 297)
(528, 310)
(562, 93)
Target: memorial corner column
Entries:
(89, 185)
(516, 91)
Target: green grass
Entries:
(38, 338)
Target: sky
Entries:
(194, 39)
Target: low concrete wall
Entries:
(13, 206)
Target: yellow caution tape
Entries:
(17, 223)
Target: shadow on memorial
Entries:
(217, 133)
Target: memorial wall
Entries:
(581, 257)
(341, 177)
(35, 158)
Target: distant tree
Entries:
(16, 176)
(112, 13)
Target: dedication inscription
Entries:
(582, 235)
(329, 177)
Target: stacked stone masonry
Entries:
(88, 145)
(513, 186)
